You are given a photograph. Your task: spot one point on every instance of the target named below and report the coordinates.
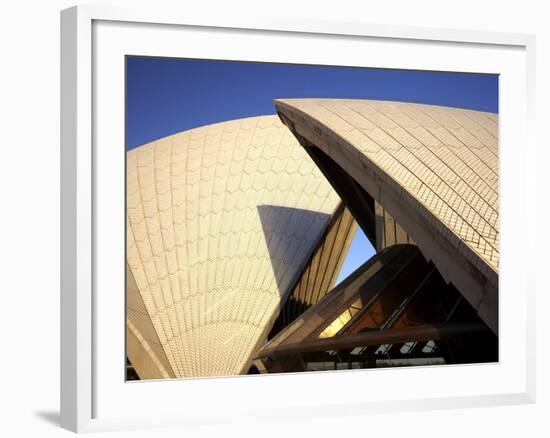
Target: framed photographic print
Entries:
(254, 206)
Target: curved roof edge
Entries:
(361, 137)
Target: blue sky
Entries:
(167, 95)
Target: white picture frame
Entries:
(90, 401)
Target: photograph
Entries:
(284, 218)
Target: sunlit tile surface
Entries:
(446, 158)
(220, 221)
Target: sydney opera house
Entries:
(237, 231)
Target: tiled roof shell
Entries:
(220, 221)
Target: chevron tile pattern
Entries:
(220, 222)
(446, 159)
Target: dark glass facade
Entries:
(395, 310)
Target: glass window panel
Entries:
(407, 347)
(429, 347)
(357, 351)
(342, 319)
(383, 349)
